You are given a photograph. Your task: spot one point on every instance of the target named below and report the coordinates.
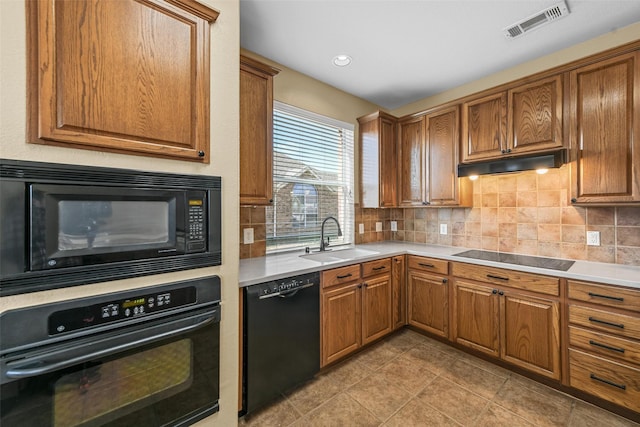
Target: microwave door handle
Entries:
(20, 373)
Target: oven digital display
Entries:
(133, 302)
(76, 318)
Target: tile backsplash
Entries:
(522, 213)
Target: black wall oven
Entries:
(148, 357)
(63, 225)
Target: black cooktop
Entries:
(529, 261)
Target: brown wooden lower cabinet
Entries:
(341, 322)
(507, 323)
(616, 382)
(604, 342)
(428, 302)
(399, 292)
(356, 311)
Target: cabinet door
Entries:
(412, 166)
(484, 127)
(341, 322)
(531, 333)
(605, 104)
(388, 163)
(429, 302)
(399, 299)
(535, 115)
(256, 132)
(476, 320)
(123, 76)
(376, 308)
(443, 186)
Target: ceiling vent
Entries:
(550, 14)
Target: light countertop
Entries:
(279, 266)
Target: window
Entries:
(312, 179)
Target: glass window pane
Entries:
(312, 179)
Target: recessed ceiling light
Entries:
(341, 60)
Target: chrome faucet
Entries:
(323, 245)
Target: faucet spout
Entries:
(323, 244)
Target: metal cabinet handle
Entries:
(40, 366)
(607, 347)
(382, 267)
(604, 322)
(344, 276)
(495, 291)
(611, 383)
(445, 280)
(421, 264)
(591, 294)
(491, 276)
(500, 293)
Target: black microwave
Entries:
(66, 225)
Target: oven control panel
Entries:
(283, 286)
(82, 317)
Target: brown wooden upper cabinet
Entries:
(605, 109)
(121, 76)
(379, 160)
(411, 190)
(523, 119)
(444, 188)
(429, 160)
(256, 132)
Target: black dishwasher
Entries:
(281, 346)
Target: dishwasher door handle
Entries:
(288, 293)
(42, 367)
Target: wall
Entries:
(522, 213)
(225, 34)
(299, 90)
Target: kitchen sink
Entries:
(338, 255)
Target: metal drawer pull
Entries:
(344, 276)
(491, 276)
(591, 294)
(426, 265)
(382, 267)
(620, 386)
(604, 322)
(597, 344)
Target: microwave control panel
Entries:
(124, 310)
(196, 227)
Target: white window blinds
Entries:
(312, 179)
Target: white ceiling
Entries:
(407, 50)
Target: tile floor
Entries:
(411, 380)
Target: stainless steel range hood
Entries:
(515, 164)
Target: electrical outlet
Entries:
(248, 236)
(593, 238)
(394, 225)
(378, 226)
(361, 228)
(443, 228)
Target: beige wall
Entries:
(302, 91)
(615, 38)
(224, 162)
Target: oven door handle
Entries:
(45, 368)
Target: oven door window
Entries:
(167, 382)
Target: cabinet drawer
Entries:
(340, 275)
(612, 296)
(613, 323)
(615, 382)
(513, 279)
(428, 264)
(605, 345)
(376, 267)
